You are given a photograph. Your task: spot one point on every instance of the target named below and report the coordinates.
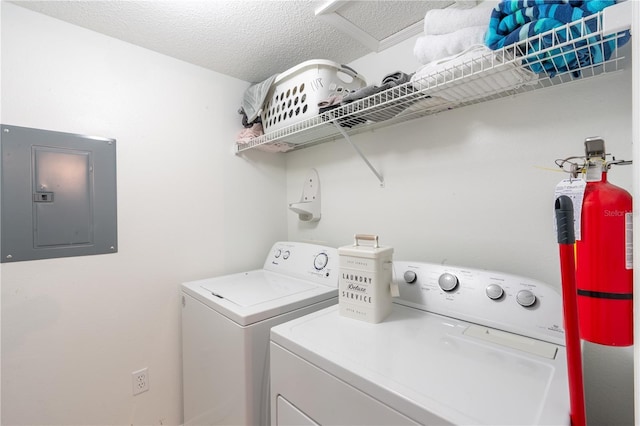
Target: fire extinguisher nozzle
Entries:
(564, 220)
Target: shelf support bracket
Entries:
(355, 147)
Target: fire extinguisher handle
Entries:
(564, 220)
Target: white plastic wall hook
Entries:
(308, 209)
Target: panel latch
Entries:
(43, 197)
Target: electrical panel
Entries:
(58, 194)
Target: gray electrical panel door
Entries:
(62, 197)
(58, 194)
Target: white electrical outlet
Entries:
(140, 381)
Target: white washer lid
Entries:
(248, 290)
(250, 297)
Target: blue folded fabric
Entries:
(513, 22)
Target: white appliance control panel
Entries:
(312, 262)
(497, 300)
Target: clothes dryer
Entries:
(461, 347)
(225, 330)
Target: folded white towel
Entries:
(429, 48)
(451, 19)
(444, 78)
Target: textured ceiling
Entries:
(249, 40)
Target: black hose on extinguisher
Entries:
(566, 241)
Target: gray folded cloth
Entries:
(360, 94)
(389, 107)
(388, 81)
(396, 78)
(333, 100)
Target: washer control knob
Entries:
(320, 261)
(278, 253)
(286, 255)
(494, 291)
(525, 298)
(448, 282)
(410, 277)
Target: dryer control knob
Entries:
(448, 282)
(525, 298)
(410, 277)
(286, 255)
(494, 291)
(277, 253)
(320, 261)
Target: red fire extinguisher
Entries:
(604, 264)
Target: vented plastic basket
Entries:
(295, 93)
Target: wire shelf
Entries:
(577, 51)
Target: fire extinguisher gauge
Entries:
(526, 298)
(594, 147)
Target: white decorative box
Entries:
(365, 280)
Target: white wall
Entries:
(470, 187)
(74, 329)
(475, 187)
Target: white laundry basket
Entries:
(295, 93)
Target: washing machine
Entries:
(225, 330)
(460, 347)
